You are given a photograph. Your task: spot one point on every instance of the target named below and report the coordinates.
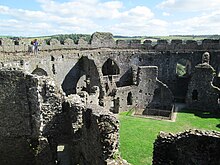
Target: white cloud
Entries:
(190, 5)
(4, 9)
(205, 24)
(166, 3)
(197, 16)
(87, 16)
(82, 16)
(166, 14)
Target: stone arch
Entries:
(40, 72)
(82, 77)
(110, 68)
(183, 67)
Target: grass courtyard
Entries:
(137, 135)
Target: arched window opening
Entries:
(183, 68)
(129, 99)
(195, 95)
(40, 72)
(110, 68)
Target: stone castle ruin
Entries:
(59, 106)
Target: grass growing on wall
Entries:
(137, 135)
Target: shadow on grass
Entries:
(202, 114)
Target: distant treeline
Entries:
(74, 37)
(129, 36)
(215, 36)
(87, 37)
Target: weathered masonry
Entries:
(120, 75)
(39, 125)
(61, 102)
(189, 147)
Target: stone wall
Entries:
(81, 70)
(190, 147)
(63, 66)
(37, 120)
(28, 103)
(151, 96)
(105, 40)
(202, 94)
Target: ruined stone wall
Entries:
(105, 40)
(36, 120)
(165, 59)
(146, 85)
(25, 110)
(202, 94)
(151, 96)
(189, 147)
(16, 126)
(90, 135)
(74, 67)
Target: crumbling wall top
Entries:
(101, 39)
(106, 40)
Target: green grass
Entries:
(137, 135)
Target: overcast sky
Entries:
(120, 17)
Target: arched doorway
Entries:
(110, 68)
(82, 77)
(40, 72)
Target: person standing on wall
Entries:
(35, 46)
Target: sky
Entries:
(120, 17)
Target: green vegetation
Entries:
(59, 37)
(137, 135)
(74, 37)
(180, 69)
(87, 37)
(169, 38)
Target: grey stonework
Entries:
(202, 94)
(104, 72)
(37, 119)
(56, 105)
(190, 147)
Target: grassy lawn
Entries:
(137, 135)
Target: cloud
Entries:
(83, 8)
(204, 24)
(83, 16)
(196, 16)
(166, 14)
(190, 5)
